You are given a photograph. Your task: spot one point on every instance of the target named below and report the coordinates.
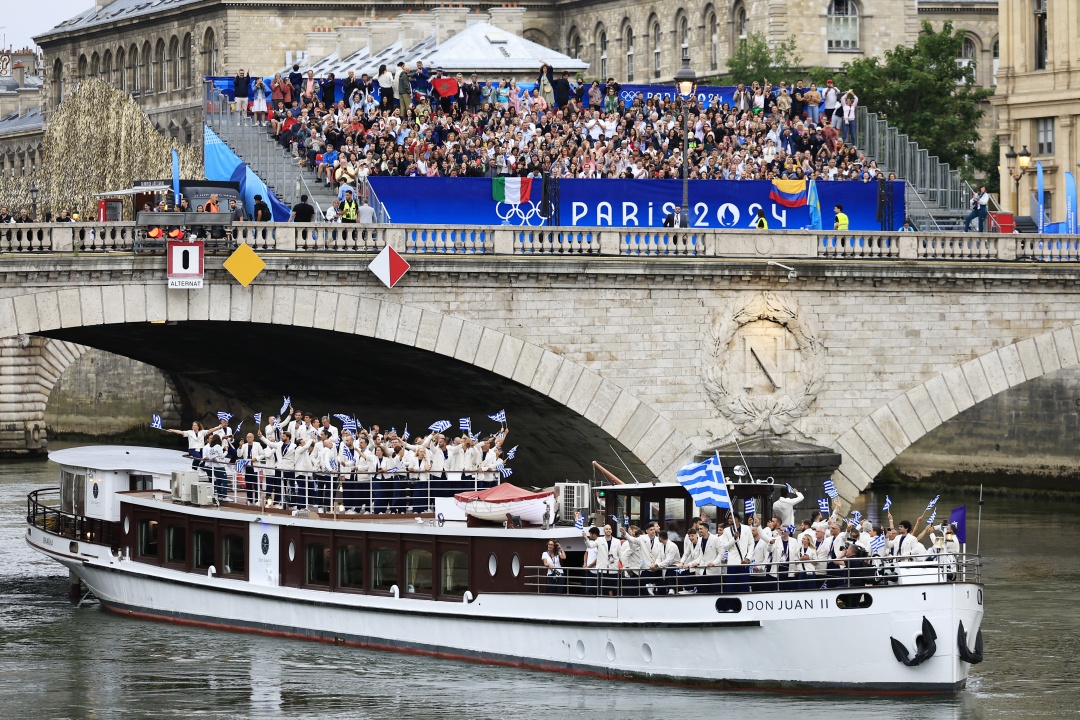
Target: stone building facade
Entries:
(1038, 101)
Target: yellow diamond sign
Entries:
(244, 264)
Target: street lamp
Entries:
(1018, 163)
(685, 86)
(33, 202)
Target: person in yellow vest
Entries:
(348, 208)
(761, 223)
(841, 221)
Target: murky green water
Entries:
(60, 661)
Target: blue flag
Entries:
(830, 489)
(705, 483)
(579, 524)
(1070, 204)
(258, 419)
(887, 505)
(877, 544)
(958, 517)
(813, 202)
(751, 506)
(823, 506)
(155, 421)
(176, 176)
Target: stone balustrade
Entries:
(98, 237)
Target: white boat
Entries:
(129, 524)
(497, 503)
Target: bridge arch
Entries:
(881, 436)
(638, 427)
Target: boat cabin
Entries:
(671, 505)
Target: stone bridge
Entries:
(658, 345)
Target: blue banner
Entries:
(1040, 199)
(630, 203)
(1070, 203)
(221, 163)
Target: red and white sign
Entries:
(389, 266)
(185, 264)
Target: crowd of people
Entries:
(414, 122)
(299, 461)
(746, 556)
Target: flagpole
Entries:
(624, 464)
(741, 456)
(978, 530)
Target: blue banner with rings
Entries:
(629, 203)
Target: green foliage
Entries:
(924, 93)
(985, 166)
(755, 60)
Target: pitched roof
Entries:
(117, 10)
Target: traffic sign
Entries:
(185, 264)
(389, 266)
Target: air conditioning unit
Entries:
(202, 493)
(180, 484)
(572, 497)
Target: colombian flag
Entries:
(789, 193)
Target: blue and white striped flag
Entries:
(474, 436)
(887, 505)
(503, 470)
(405, 432)
(222, 415)
(830, 489)
(258, 419)
(790, 490)
(933, 517)
(877, 544)
(856, 517)
(333, 463)
(238, 426)
(790, 529)
(705, 483)
(499, 417)
(286, 402)
(155, 421)
(579, 524)
(345, 451)
(465, 424)
(751, 506)
(823, 506)
(439, 426)
(933, 503)
(511, 453)
(626, 520)
(240, 465)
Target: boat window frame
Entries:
(444, 549)
(309, 538)
(383, 542)
(224, 533)
(170, 523)
(194, 530)
(342, 541)
(414, 547)
(149, 518)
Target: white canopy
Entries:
(137, 190)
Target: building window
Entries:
(418, 572)
(629, 55)
(175, 544)
(997, 49)
(147, 537)
(1044, 136)
(162, 59)
(741, 26)
(316, 564)
(714, 43)
(455, 573)
(209, 52)
(176, 69)
(967, 53)
(656, 49)
(233, 555)
(383, 568)
(350, 567)
(603, 54)
(147, 67)
(1041, 40)
(843, 25)
(574, 44)
(202, 543)
(56, 84)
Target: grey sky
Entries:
(21, 20)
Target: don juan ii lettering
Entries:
(794, 604)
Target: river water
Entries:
(62, 661)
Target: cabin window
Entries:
(148, 538)
(350, 567)
(175, 544)
(202, 542)
(317, 564)
(854, 601)
(383, 568)
(418, 572)
(455, 573)
(140, 482)
(233, 556)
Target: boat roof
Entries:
(155, 461)
(737, 488)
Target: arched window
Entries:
(629, 35)
(161, 58)
(121, 74)
(656, 48)
(740, 25)
(95, 65)
(185, 60)
(997, 49)
(176, 77)
(601, 50)
(209, 53)
(134, 81)
(573, 43)
(107, 66)
(80, 74)
(843, 25)
(684, 32)
(712, 28)
(1040, 42)
(56, 84)
(967, 53)
(146, 67)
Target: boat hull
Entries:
(673, 639)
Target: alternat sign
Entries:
(185, 264)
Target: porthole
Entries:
(646, 652)
(493, 564)
(515, 565)
(728, 605)
(127, 524)
(580, 648)
(610, 651)
(854, 601)
(292, 551)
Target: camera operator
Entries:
(553, 557)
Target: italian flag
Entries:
(513, 190)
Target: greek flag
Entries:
(790, 490)
(222, 415)
(751, 506)
(258, 419)
(823, 506)
(405, 432)
(439, 426)
(155, 421)
(511, 453)
(933, 517)
(240, 465)
(830, 489)
(933, 503)
(333, 463)
(579, 524)
(626, 520)
(887, 505)
(347, 453)
(465, 424)
(705, 483)
(347, 423)
(856, 517)
(877, 544)
(499, 417)
(239, 425)
(504, 471)
(790, 529)
(286, 402)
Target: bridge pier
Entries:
(29, 367)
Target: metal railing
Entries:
(49, 517)
(861, 572)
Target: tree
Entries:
(925, 93)
(755, 61)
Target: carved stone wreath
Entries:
(775, 412)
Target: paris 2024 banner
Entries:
(714, 204)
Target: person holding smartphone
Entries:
(553, 557)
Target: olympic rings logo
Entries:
(516, 216)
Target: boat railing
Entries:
(43, 511)
(392, 491)
(931, 569)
